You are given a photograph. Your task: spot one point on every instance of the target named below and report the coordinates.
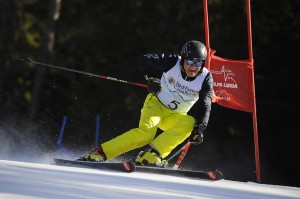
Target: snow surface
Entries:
(46, 180)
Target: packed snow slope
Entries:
(46, 180)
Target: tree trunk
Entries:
(7, 40)
(45, 57)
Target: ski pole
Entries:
(183, 151)
(29, 60)
(177, 152)
(182, 155)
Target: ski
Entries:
(205, 175)
(127, 167)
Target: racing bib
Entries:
(178, 94)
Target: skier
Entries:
(179, 103)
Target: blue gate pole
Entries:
(97, 130)
(61, 134)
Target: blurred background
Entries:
(106, 38)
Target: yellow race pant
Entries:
(176, 128)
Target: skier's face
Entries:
(192, 67)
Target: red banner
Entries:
(233, 84)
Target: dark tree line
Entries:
(107, 37)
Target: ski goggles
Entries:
(197, 63)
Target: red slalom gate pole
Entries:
(182, 155)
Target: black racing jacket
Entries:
(154, 65)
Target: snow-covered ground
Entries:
(45, 180)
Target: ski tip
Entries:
(219, 175)
(129, 166)
(215, 175)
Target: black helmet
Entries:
(194, 49)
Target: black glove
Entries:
(154, 86)
(196, 136)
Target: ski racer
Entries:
(179, 103)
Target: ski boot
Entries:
(150, 157)
(96, 155)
